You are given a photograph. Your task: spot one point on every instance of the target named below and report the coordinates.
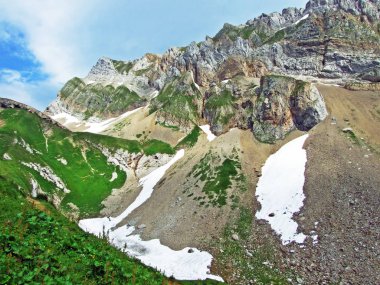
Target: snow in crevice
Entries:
(183, 264)
(35, 188)
(207, 131)
(280, 190)
(114, 176)
(303, 18)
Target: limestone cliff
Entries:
(328, 40)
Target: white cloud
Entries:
(35, 94)
(50, 29)
(9, 75)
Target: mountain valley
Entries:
(252, 157)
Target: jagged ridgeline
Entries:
(217, 81)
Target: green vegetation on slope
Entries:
(178, 102)
(98, 100)
(87, 173)
(220, 107)
(122, 66)
(216, 175)
(151, 147)
(45, 248)
(233, 32)
(40, 246)
(191, 139)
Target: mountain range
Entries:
(251, 157)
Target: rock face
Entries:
(95, 100)
(329, 39)
(285, 104)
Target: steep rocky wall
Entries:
(285, 104)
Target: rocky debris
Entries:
(372, 75)
(48, 174)
(362, 86)
(136, 164)
(6, 156)
(74, 212)
(285, 104)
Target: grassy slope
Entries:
(216, 176)
(106, 99)
(177, 103)
(37, 244)
(87, 173)
(45, 248)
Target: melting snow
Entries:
(181, 264)
(114, 176)
(303, 18)
(69, 119)
(280, 190)
(206, 130)
(35, 188)
(93, 127)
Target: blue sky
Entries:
(44, 43)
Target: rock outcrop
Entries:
(285, 104)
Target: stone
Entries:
(347, 130)
(142, 226)
(235, 237)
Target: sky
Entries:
(44, 43)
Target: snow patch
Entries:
(62, 160)
(35, 188)
(68, 118)
(114, 176)
(280, 190)
(184, 264)
(92, 127)
(102, 126)
(207, 131)
(303, 18)
(154, 94)
(6, 156)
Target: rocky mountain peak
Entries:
(103, 68)
(277, 20)
(369, 8)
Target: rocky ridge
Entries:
(321, 41)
